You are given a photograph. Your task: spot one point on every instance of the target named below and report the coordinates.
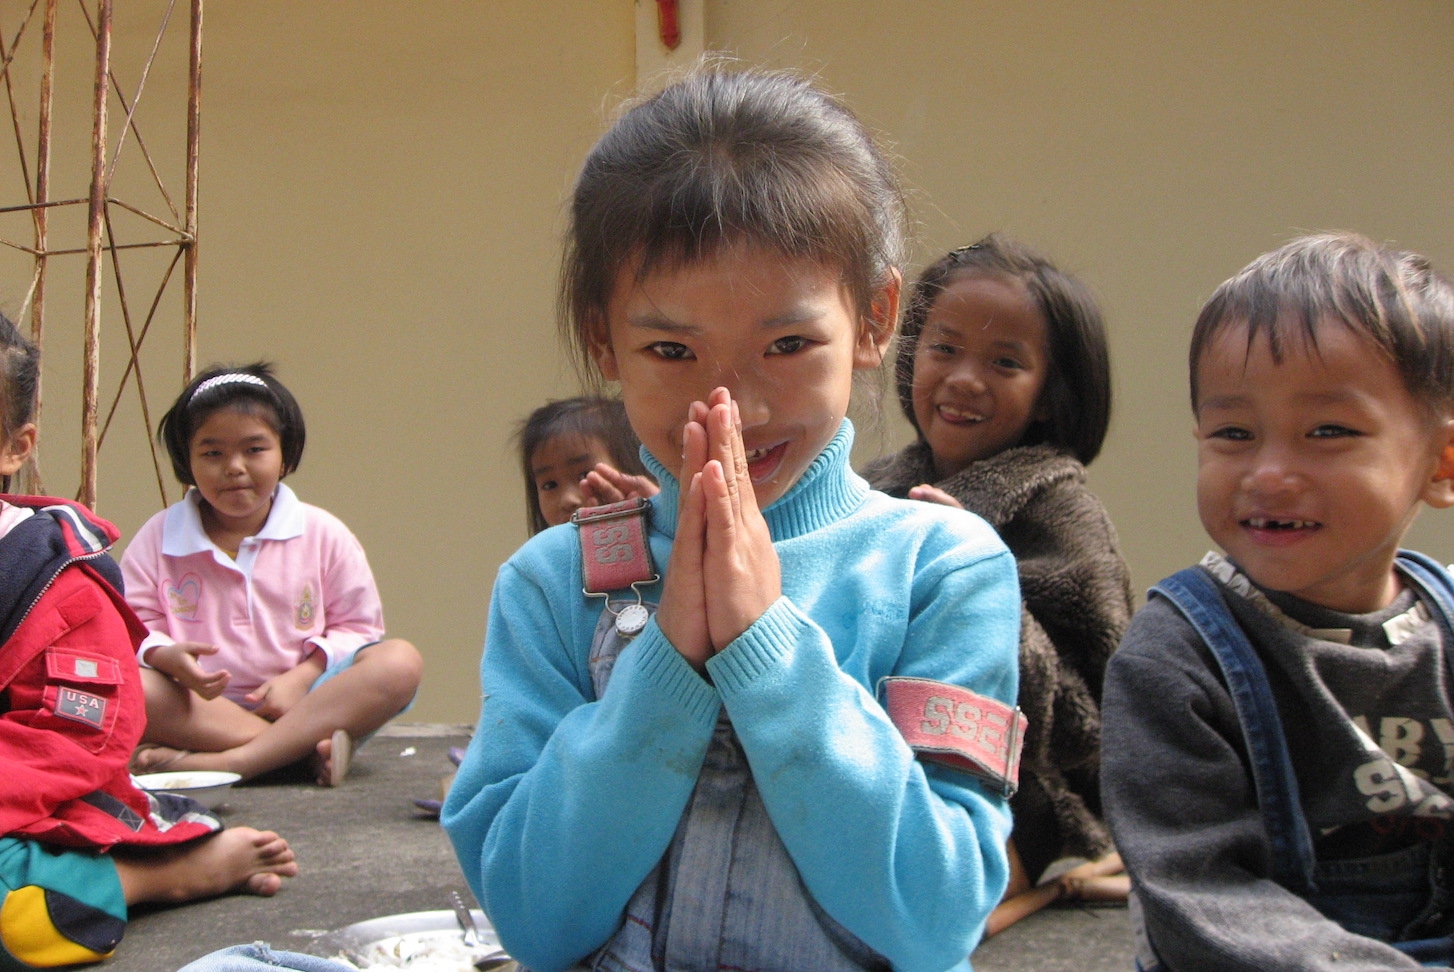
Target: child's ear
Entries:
(878, 326)
(18, 449)
(1439, 491)
(599, 341)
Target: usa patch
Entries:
(81, 707)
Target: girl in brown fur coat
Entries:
(1003, 369)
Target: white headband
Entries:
(227, 379)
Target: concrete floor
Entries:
(365, 851)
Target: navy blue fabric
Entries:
(38, 549)
(1198, 598)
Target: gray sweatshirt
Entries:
(1365, 705)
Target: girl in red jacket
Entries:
(80, 842)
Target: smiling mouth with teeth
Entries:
(1262, 523)
(954, 414)
(763, 464)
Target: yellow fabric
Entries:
(29, 935)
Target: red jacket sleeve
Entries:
(73, 706)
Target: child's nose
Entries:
(967, 377)
(749, 389)
(752, 406)
(1273, 470)
(571, 497)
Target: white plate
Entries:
(418, 926)
(207, 787)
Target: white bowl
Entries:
(206, 787)
(427, 940)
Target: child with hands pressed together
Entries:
(1004, 372)
(771, 771)
(1277, 769)
(79, 842)
(578, 452)
(265, 633)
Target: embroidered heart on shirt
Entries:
(183, 597)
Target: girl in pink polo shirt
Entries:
(265, 642)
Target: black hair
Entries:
(251, 389)
(1394, 298)
(1077, 392)
(722, 158)
(19, 378)
(589, 417)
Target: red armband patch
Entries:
(959, 728)
(614, 554)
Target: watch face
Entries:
(631, 620)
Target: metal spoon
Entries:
(466, 921)
(493, 959)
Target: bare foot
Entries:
(332, 759)
(236, 859)
(165, 759)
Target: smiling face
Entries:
(979, 369)
(781, 333)
(1310, 471)
(557, 467)
(236, 462)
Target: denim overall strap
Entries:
(1198, 598)
(1432, 578)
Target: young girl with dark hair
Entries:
(1004, 372)
(786, 738)
(578, 452)
(265, 641)
(79, 842)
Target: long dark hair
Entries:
(1077, 392)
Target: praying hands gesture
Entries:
(724, 572)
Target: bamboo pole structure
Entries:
(42, 177)
(29, 480)
(95, 225)
(194, 136)
(103, 243)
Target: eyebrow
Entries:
(568, 461)
(1306, 398)
(248, 440)
(941, 331)
(657, 322)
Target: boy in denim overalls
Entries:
(1279, 732)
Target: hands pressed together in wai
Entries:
(722, 542)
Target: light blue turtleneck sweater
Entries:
(565, 802)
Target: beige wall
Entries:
(383, 185)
